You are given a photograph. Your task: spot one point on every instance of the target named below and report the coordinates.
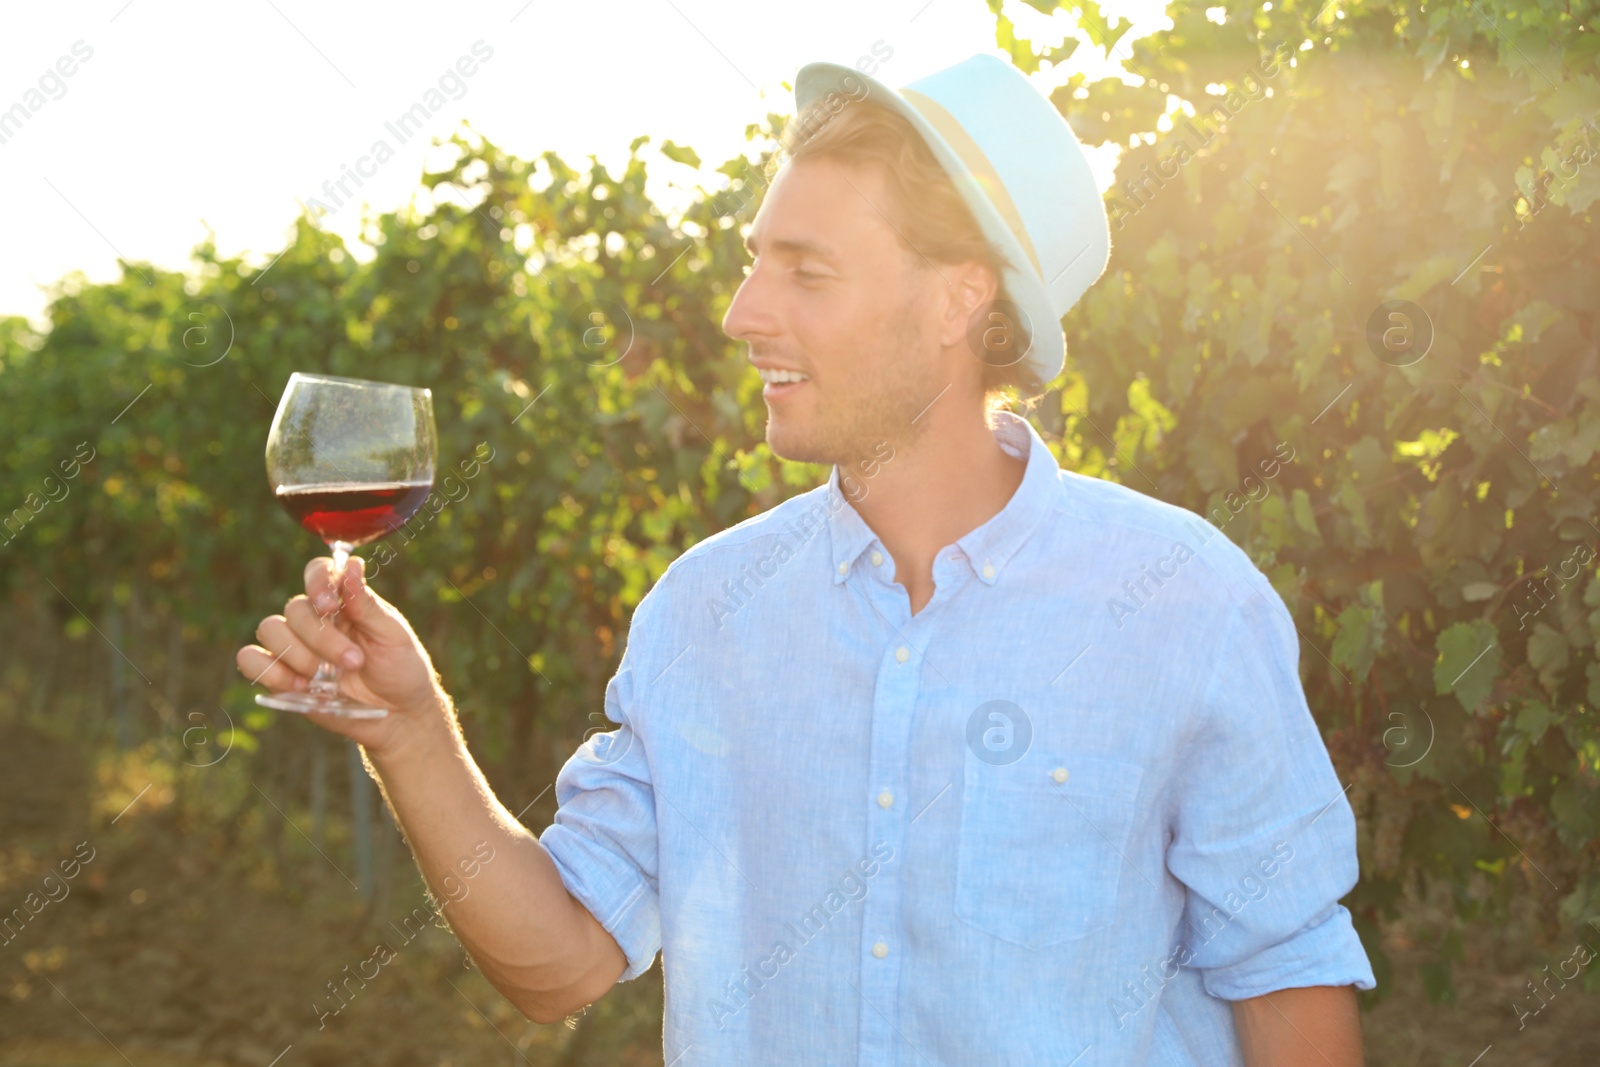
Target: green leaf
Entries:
(1356, 506)
(1023, 57)
(1547, 654)
(1575, 99)
(1468, 663)
(1575, 803)
(680, 153)
(1533, 720)
(1100, 31)
(1475, 591)
(1300, 501)
(1353, 646)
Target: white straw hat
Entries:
(1020, 169)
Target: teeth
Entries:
(783, 376)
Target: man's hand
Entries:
(1312, 1026)
(335, 621)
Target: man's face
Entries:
(834, 294)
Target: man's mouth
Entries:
(781, 383)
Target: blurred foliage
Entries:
(570, 334)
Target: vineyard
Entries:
(1362, 258)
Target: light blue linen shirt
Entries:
(1062, 815)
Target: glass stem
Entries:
(325, 683)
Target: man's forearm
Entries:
(527, 934)
(1312, 1026)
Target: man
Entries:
(958, 759)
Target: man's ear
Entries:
(970, 287)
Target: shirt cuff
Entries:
(1326, 953)
(612, 890)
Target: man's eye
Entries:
(808, 275)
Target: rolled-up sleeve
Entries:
(603, 839)
(1262, 835)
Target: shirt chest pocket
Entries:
(1042, 842)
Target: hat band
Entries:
(983, 172)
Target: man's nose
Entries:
(749, 313)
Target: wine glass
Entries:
(351, 460)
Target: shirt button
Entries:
(844, 568)
(877, 559)
(988, 570)
(885, 799)
(880, 950)
(1059, 774)
(902, 654)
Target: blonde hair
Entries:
(928, 212)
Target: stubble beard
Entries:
(898, 381)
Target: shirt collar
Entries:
(986, 549)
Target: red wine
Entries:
(354, 513)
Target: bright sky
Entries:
(187, 115)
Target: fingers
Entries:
(378, 619)
(319, 578)
(325, 640)
(280, 642)
(283, 659)
(363, 608)
(265, 668)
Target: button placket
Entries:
(893, 711)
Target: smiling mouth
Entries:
(778, 384)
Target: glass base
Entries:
(302, 702)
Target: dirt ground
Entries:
(167, 943)
(171, 946)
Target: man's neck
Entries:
(951, 481)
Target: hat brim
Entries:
(1047, 349)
